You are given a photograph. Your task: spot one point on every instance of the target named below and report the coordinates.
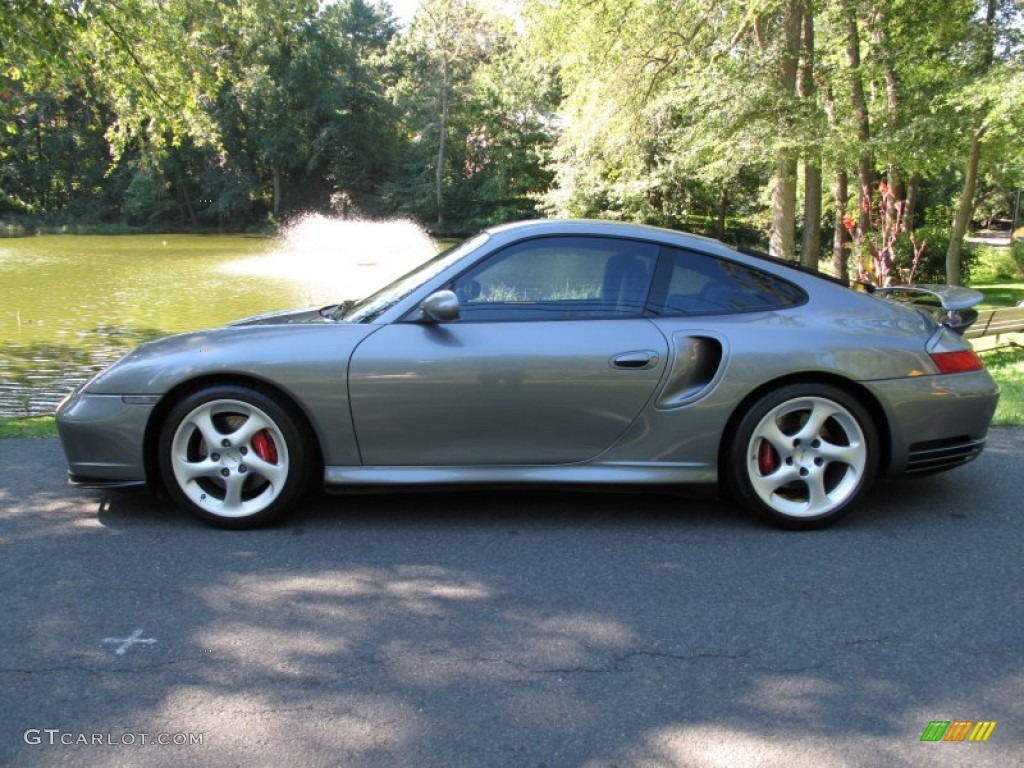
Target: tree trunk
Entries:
(43, 188)
(840, 235)
(894, 177)
(277, 192)
(910, 211)
(810, 246)
(782, 240)
(895, 181)
(865, 172)
(184, 198)
(723, 209)
(964, 210)
(442, 147)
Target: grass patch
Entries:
(1002, 294)
(998, 276)
(1006, 365)
(33, 426)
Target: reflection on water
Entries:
(72, 304)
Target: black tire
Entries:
(258, 467)
(802, 456)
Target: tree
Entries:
(475, 113)
(663, 104)
(356, 143)
(990, 100)
(38, 38)
(673, 112)
(782, 241)
(810, 249)
(446, 42)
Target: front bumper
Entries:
(936, 422)
(103, 437)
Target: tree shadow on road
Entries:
(512, 628)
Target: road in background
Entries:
(510, 628)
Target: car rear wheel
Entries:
(802, 455)
(233, 456)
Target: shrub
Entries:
(146, 198)
(884, 253)
(931, 266)
(1017, 254)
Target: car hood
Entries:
(286, 348)
(283, 317)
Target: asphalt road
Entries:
(510, 629)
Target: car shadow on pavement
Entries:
(448, 508)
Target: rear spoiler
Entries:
(952, 303)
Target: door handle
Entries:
(639, 360)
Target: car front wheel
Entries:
(233, 456)
(802, 455)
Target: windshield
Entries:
(370, 307)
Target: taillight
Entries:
(957, 362)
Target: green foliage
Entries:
(476, 120)
(55, 155)
(38, 37)
(1017, 256)
(226, 195)
(146, 199)
(1000, 264)
(186, 113)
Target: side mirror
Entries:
(441, 307)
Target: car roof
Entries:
(600, 227)
(674, 237)
(607, 228)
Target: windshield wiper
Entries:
(337, 311)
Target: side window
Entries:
(555, 278)
(699, 284)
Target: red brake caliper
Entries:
(264, 446)
(767, 459)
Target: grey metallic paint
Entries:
(307, 362)
(549, 388)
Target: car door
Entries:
(549, 363)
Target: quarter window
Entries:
(699, 284)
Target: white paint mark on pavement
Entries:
(128, 642)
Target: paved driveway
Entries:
(510, 629)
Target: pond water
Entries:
(72, 304)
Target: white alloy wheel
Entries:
(808, 451)
(232, 456)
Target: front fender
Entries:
(309, 363)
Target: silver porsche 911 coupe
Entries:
(548, 352)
